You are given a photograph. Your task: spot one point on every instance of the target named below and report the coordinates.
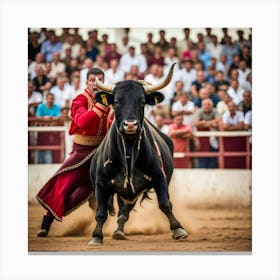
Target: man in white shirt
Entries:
(131, 58)
(114, 74)
(235, 92)
(233, 120)
(184, 106)
(61, 92)
(187, 75)
(34, 99)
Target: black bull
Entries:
(133, 158)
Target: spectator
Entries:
(224, 36)
(235, 92)
(78, 37)
(123, 48)
(34, 46)
(247, 85)
(159, 123)
(234, 64)
(185, 107)
(224, 65)
(74, 90)
(198, 84)
(222, 105)
(71, 44)
(179, 85)
(241, 41)
(218, 66)
(211, 74)
(112, 54)
(220, 80)
(134, 70)
(232, 120)
(248, 120)
(181, 135)
(162, 108)
(157, 57)
(83, 55)
(246, 104)
(34, 99)
(214, 47)
(88, 64)
(246, 55)
(100, 62)
(207, 118)
(41, 81)
(47, 111)
(204, 55)
(39, 59)
(230, 49)
(163, 43)
(243, 72)
(188, 51)
(65, 33)
(93, 35)
(173, 44)
(234, 74)
(67, 58)
(104, 46)
(114, 74)
(207, 38)
(187, 75)
(150, 44)
(73, 67)
(145, 52)
(92, 51)
(131, 58)
(203, 94)
(57, 67)
(212, 93)
(51, 46)
(200, 39)
(171, 58)
(61, 92)
(184, 44)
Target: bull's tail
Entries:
(110, 205)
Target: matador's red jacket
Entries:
(70, 186)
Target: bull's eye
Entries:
(142, 103)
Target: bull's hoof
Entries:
(119, 235)
(42, 233)
(179, 233)
(95, 241)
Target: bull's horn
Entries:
(105, 87)
(152, 88)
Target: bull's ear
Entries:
(154, 98)
(105, 98)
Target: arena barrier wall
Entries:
(193, 187)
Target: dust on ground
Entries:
(213, 229)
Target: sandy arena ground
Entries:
(210, 230)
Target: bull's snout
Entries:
(130, 126)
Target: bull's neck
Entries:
(129, 150)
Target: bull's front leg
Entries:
(123, 216)
(161, 188)
(101, 216)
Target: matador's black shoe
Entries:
(45, 226)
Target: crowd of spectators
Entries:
(211, 72)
